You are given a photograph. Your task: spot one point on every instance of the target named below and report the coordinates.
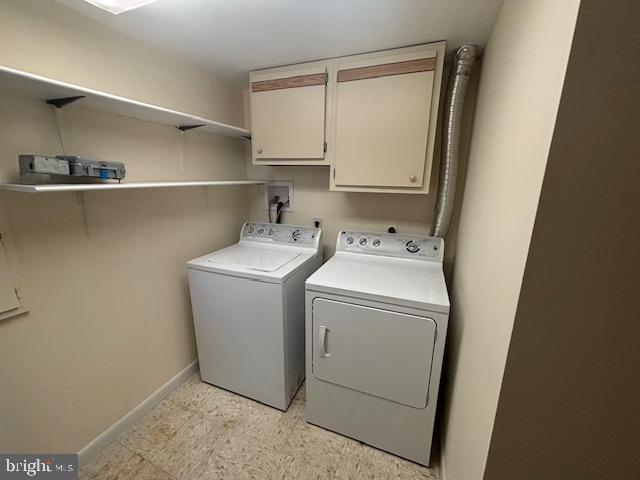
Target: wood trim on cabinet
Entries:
(290, 82)
(387, 69)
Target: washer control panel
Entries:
(391, 245)
(279, 233)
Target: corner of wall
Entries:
(521, 81)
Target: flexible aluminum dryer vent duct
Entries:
(465, 57)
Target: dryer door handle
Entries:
(322, 341)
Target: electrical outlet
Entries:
(282, 190)
(317, 222)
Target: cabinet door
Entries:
(288, 114)
(383, 111)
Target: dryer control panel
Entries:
(391, 245)
(281, 234)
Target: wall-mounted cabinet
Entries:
(288, 110)
(375, 119)
(382, 120)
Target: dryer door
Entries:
(378, 352)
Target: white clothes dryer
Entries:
(376, 321)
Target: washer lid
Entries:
(253, 258)
(268, 263)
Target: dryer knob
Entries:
(412, 247)
(296, 235)
(350, 240)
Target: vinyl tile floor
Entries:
(203, 432)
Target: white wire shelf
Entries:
(61, 94)
(84, 187)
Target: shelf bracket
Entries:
(85, 218)
(63, 102)
(184, 128)
(183, 165)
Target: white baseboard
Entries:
(95, 446)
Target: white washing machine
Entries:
(248, 311)
(376, 321)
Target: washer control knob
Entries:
(250, 230)
(412, 247)
(350, 240)
(261, 231)
(376, 243)
(296, 235)
(271, 232)
(363, 241)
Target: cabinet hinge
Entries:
(334, 173)
(325, 146)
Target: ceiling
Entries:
(232, 37)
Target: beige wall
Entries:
(570, 396)
(110, 318)
(520, 85)
(43, 37)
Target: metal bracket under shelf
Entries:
(62, 102)
(184, 128)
